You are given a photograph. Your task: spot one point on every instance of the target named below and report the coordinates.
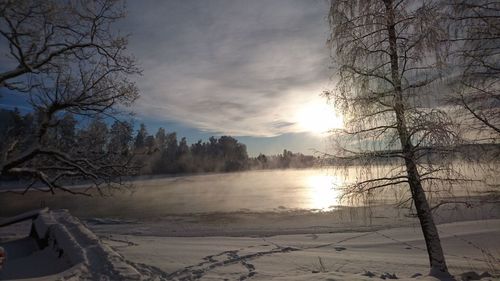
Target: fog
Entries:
(309, 190)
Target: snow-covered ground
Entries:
(364, 255)
(232, 247)
(60, 247)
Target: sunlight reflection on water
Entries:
(323, 191)
(315, 190)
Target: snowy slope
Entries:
(60, 247)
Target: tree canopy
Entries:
(65, 57)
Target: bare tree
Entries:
(476, 41)
(389, 56)
(65, 57)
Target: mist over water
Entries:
(256, 191)
(311, 190)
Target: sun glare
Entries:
(319, 118)
(322, 191)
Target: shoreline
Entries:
(266, 224)
(280, 220)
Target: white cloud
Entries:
(235, 67)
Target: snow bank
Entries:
(64, 240)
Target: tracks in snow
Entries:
(226, 258)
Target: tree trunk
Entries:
(431, 236)
(436, 257)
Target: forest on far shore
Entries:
(159, 153)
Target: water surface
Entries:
(315, 190)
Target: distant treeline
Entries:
(159, 153)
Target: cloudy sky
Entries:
(252, 69)
(244, 68)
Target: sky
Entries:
(224, 67)
(250, 69)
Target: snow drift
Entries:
(60, 247)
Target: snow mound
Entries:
(63, 239)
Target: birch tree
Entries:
(64, 57)
(389, 56)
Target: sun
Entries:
(319, 118)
